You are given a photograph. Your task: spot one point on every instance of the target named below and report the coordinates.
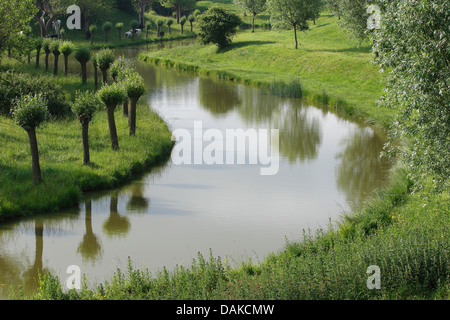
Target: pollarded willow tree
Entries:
(413, 42)
(84, 107)
(105, 58)
(46, 43)
(29, 112)
(255, 7)
(106, 27)
(66, 48)
(112, 95)
(134, 85)
(54, 48)
(83, 55)
(291, 13)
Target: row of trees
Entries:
(30, 110)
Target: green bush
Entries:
(14, 85)
(217, 26)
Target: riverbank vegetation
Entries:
(64, 177)
(403, 229)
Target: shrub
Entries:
(14, 85)
(217, 26)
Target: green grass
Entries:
(65, 178)
(330, 67)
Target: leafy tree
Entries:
(15, 17)
(292, 14)
(253, 6)
(84, 107)
(66, 48)
(217, 26)
(54, 48)
(48, 12)
(142, 6)
(178, 6)
(119, 27)
(148, 26)
(38, 47)
(182, 23)
(159, 24)
(355, 16)
(111, 96)
(134, 24)
(105, 59)
(134, 85)
(169, 24)
(191, 20)
(315, 7)
(107, 26)
(413, 42)
(93, 30)
(29, 112)
(46, 43)
(334, 6)
(93, 10)
(119, 69)
(83, 55)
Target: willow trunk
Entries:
(36, 168)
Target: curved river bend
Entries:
(327, 165)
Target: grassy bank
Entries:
(65, 178)
(330, 67)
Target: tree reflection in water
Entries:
(361, 169)
(89, 247)
(116, 225)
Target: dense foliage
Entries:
(217, 26)
(414, 40)
(13, 85)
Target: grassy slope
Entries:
(60, 148)
(327, 63)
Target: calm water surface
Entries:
(327, 165)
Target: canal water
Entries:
(327, 165)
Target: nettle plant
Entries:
(29, 112)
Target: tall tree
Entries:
(15, 17)
(178, 6)
(49, 11)
(354, 17)
(142, 7)
(292, 14)
(253, 6)
(413, 43)
(91, 10)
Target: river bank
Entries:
(65, 179)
